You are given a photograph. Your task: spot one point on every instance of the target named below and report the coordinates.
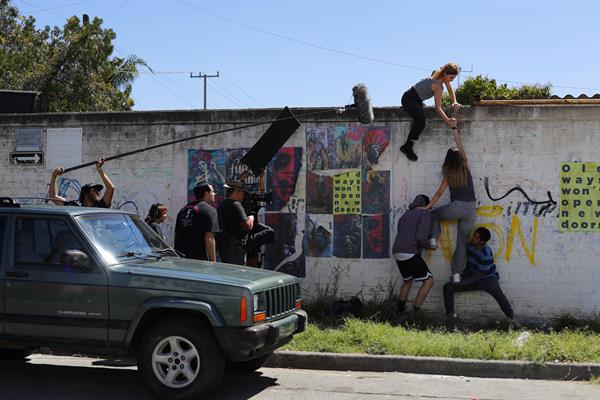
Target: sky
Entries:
(309, 53)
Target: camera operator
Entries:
(235, 224)
(260, 234)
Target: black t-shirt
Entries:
(193, 221)
(99, 204)
(231, 215)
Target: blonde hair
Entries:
(455, 169)
(448, 69)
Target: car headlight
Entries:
(260, 302)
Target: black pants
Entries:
(232, 251)
(413, 105)
(489, 285)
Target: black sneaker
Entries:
(407, 149)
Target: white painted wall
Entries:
(544, 272)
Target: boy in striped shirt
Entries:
(479, 274)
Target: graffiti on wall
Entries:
(545, 206)
(579, 197)
(206, 166)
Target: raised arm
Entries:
(110, 188)
(438, 194)
(437, 95)
(455, 104)
(58, 200)
(459, 144)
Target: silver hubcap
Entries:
(175, 362)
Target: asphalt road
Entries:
(66, 378)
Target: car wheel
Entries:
(248, 366)
(179, 358)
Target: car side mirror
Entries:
(75, 259)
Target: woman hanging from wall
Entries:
(413, 98)
(156, 216)
(456, 175)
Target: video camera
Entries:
(254, 201)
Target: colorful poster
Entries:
(579, 197)
(319, 193)
(282, 176)
(206, 166)
(284, 255)
(346, 236)
(318, 236)
(319, 149)
(376, 192)
(235, 168)
(347, 193)
(375, 141)
(348, 146)
(376, 236)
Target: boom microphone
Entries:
(362, 103)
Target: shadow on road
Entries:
(38, 381)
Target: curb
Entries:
(432, 365)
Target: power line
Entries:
(233, 96)
(302, 42)
(205, 76)
(243, 91)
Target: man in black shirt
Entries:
(196, 225)
(235, 225)
(89, 195)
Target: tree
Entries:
(483, 87)
(72, 67)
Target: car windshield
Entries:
(120, 237)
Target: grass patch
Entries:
(378, 330)
(595, 380)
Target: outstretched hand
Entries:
(58, 171)
(99, 164)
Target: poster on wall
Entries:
(375, 141)
(206, 166)
(348, 146)
(376, 192)
(284, 255)
(318, 236)
(319, 193)
(235, 168)
(579, 197)
(282, 176)
(376, 239)
(319, 149)
(347, 193)
(347, 236)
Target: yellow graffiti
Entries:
(515, 226)
(504, 241)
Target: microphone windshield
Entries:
(362, 102)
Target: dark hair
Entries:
(425, 197)
(200, 190)
(155, 211)
(455, 169)
(484, 233)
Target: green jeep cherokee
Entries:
(101, 282)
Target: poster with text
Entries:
(579, 197)
(376, 192)
(318, 236)
(206, 166)
(347, 193)
(235, 168)
(346, 236)
(319, 193)
(282, 176)
(320, 153)
(376, 239)
(284, 254)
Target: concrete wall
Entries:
(544, 271)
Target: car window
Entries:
(2, 234)
(42, 241)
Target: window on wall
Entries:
(42, 241)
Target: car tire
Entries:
(179, 358)
(248, 366)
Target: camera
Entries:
(254, 201)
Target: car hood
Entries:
(208, 272)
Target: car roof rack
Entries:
(8, 202)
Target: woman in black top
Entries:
(157, 215)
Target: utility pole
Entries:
(204, 77)
(460, 69)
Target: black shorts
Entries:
(414, 268)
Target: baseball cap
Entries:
(85, 189)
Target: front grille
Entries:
(281, 300)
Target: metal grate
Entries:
(280, 300)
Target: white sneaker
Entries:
(432, 243)
(456, 278)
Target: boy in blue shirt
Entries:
(479, 274)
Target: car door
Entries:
(47, 301)
(3, 223)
